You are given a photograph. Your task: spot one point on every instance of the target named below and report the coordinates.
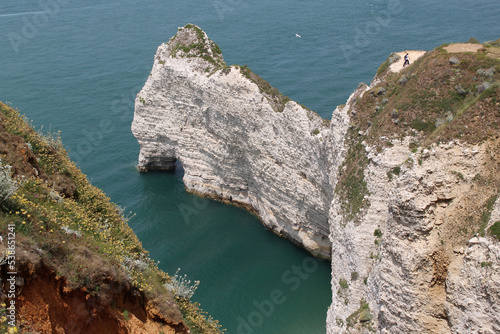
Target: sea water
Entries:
(76, 66)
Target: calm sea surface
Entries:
(77, 66)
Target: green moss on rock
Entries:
(192, 42)
(273, 95)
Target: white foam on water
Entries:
(21, 14)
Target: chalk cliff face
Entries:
(418, 257)
(235, 142)
(406, 260)
(412, 272)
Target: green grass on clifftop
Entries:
(440, 97)
(436, 98)
(190, 41)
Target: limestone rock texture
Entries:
(407, 263)
(408, 272)
(234, 141)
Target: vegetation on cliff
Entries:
(441, 97)
(352, 188)
(69, 231)
(190, 41)
(273, 95)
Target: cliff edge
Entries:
(414, 212)
(69, 262)
(404, 180)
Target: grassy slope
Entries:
(54, 199)
(431, 87)
(433, 101)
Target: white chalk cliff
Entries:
(239, 140)
(236, 142)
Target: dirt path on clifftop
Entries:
(463, 47)
(414, 55)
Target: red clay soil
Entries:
(46, 305)
(15, 152)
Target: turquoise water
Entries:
(77, 66)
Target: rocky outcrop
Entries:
(473, 300)
(402, 258)
(405, 259)
(235, 142)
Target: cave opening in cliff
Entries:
(179, 169)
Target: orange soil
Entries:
(46, 303)
(47, 306)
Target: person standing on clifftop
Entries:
(407, 60)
